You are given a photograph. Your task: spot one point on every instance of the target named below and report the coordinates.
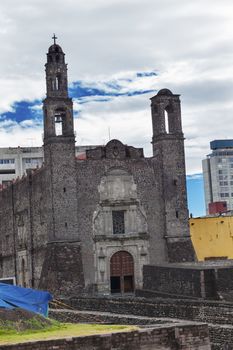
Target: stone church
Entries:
(90, 225)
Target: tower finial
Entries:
(54, 38)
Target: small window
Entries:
(118, 221)
(223, 183)
(7, 161)
(226, 194)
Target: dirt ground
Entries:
(20, 319)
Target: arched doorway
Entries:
(122, 272)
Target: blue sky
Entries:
(195, 189)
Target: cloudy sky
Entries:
(119, 54)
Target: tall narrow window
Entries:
(57, 83)
(118, 221)
(166, 122)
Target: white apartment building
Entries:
(15, 161)
(218, 173)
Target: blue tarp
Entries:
(25, 298)
(4, 305)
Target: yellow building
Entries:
(212, 237)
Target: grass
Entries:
(58, 330)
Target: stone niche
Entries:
(120, 234)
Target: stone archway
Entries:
(122, 273)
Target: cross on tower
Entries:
(54, 38)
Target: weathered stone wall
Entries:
(192, 282)
(184, 337)
(180, 250)
(224, 282)
(218, 315)
(220, 335)
(61, 189)
(8, 257)
(77, 316)
(201, 311)
(62, 271)
(23, 229)
(38, 207)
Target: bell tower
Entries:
(62, 267)
(58, 107)
(59, 147)
(168, 149)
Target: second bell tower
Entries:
(168, 148)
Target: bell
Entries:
(58, 119)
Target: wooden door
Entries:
(122, 272)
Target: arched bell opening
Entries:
(59, 119)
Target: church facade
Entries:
(89, 225)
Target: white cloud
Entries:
(126, 118)
(25, 134)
